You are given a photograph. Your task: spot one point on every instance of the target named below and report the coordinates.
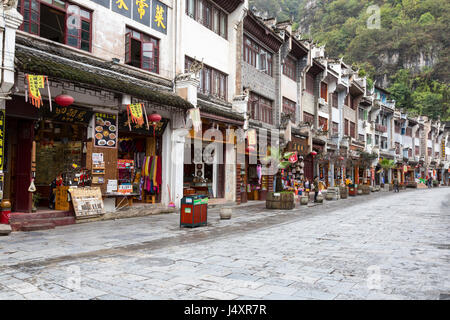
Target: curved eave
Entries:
(59, 68)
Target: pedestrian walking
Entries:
(316, 187)
(396, 185)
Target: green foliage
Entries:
(410, 31)
(387, 163)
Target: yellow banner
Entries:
(135, 110)
(251, 136)
(34, 84)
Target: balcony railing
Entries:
(379, 127)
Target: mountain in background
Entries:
(408, 53)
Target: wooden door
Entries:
(22, 176)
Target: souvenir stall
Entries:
(205, 176)
(139, 163)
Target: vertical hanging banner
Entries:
(196, 120)
(2, 138)
(135, 114)
(251, 136)
(159, 16)
(34, 83)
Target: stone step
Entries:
(18, 216)
(37, 226)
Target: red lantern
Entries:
(341, 158)
(250, 149)
(64, 100)
(313, 153)
(154, 117)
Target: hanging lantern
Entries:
(250, 149)
(314, 153)
(64, 100)
(154, 117)
(341, 158)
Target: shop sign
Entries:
(293, 158)
(157, 129)
(105, 130)
(125, 188)
(69, 114)
(151, 13)
(135, 114)
(87, 202)
(298, 145)
(125, 164)
(443, 148)
(2, 138)
(251, 136)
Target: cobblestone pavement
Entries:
(380, 246)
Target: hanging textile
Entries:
(135, 114)
(35, 83)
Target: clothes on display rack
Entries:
(151, 174)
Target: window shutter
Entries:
(128, 47)
(147, 56)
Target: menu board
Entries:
(105, 130)
(87, 202)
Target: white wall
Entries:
(288, 88)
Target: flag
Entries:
(34, 84)
(135, 111)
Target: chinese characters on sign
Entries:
(135, 114)
(148, 12)
(105, 130)
(159, 16)
(2, 138)
(70, 114)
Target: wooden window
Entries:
(334, 99)
(212, 81)
(310, 83)
(324, 91)
(384, 143)
(289, 68)
(429, 151)
(397, 148)
(352, 129)
(258, 57)
(209, 15)
(260, 108)
(335, 127)
(308, 117)
(141, 50)
(418, 133)
(53, 20)
(361, 114)
(409, 153)
(409, 131)
(361, 137)
(346, 100)
(346, 127)
(323, 122)
(417, 149)
(289, 108)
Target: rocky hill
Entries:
(404, 48)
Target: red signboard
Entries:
(125, 164)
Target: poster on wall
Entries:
(87, 202)
(105, 130)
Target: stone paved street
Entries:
(380, 246)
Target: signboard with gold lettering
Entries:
(142, 11)
(123, 7)
(2, 138)
(69, 114)
(159, 16)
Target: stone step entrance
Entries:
(40, 220)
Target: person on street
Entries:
(316, 187)
(348, 181)
(396, 185)
(307, 185)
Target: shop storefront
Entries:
(294, 176)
